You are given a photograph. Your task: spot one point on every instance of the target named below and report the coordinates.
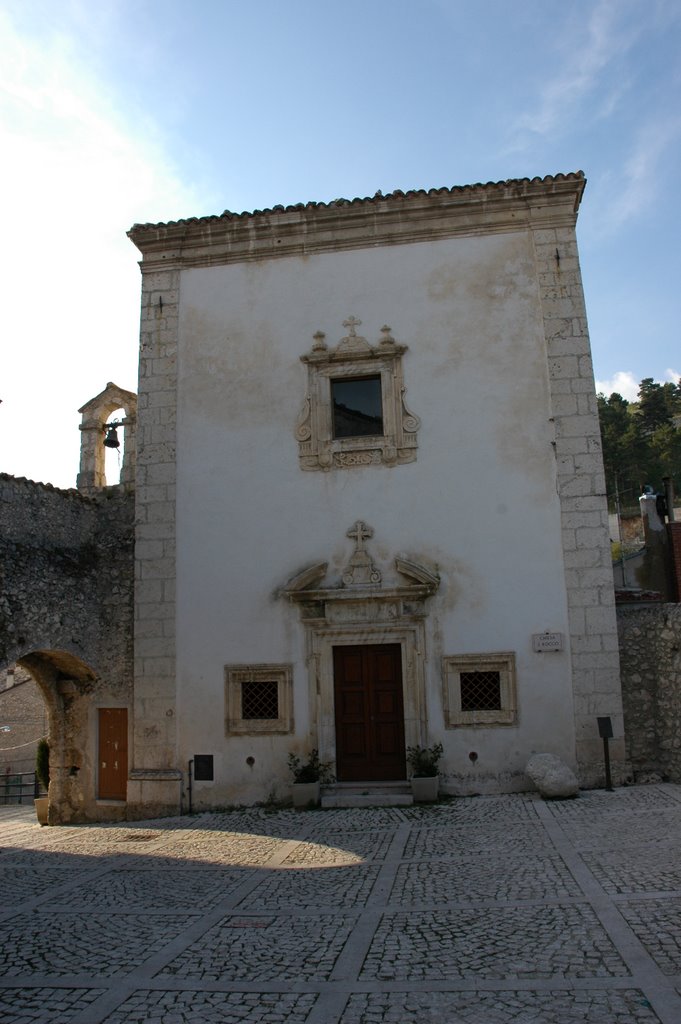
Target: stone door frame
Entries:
(323, 638)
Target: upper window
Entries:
(357, 407)
(355, 412)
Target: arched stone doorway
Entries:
(87, 729)
(66, 684)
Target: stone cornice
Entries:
(395, 219)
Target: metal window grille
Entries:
(480, 691)
(260, 699)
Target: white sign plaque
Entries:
(544, 642)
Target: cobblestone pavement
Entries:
(487, 910)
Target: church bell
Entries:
(111, 439)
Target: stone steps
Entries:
(367, 794)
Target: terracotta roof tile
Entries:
(490, 186)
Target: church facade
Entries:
(369, 497)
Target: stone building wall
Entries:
(66, 575)
(230, 308)
(650, 658)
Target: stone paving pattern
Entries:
(487, 910)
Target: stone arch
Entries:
(95, 413)
(66, 684)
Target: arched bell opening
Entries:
(114, 447)
(107, 449)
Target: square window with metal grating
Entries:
(260, 699)
(480, 691)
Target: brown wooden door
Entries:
(369, 713)
(113, 753)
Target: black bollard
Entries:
(605, 732)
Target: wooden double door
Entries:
(369, 712)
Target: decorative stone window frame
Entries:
(354, 357)
(235, 675)
(501, 662)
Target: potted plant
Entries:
(308, 778)
(42, 771)
(425, 778)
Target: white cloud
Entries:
(588, 51)
(75, 176)
(623, 382)
(637, 190)
(626, 385)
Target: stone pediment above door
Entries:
(363, 593)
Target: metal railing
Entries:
(20, 788)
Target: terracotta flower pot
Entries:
(41, 804)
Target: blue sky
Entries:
(121, 111)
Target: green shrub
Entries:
(42, 763)
(312, 770)
(424, 761)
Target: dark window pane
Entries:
(203, 767)
(260, 700)
(357, 407)
(480, 691)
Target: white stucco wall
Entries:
(479, 502)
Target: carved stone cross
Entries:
(360, 570)
(352, 322)
(359, 533)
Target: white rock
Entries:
(552, 777)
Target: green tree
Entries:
(624, 451)
(641, 441)
(658, 405)
(652, 408)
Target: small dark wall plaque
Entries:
(604, 727)
(203, 767)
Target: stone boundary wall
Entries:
(650, 657)
(33, 512)
(66, 592)
(66, 575)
